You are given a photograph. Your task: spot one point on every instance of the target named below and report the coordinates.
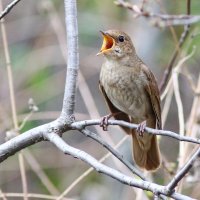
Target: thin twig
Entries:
(82, 124)
(3, 196)
(9, 72)
(35, 166)
(160, 19)
(179, 101)
(166, 106)
(191, 83)
(8, 8)
(13, 103)
(182, 172)
(190, 127)
(27, 117)
(177, 51)
(113, 151)
(32, 196)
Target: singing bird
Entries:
(131, 93)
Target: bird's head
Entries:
(116, 45)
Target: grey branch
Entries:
(183, 171)
(51, 132)
(8, 8)
(101, 168)
(95, 137)
(72, 60)
(160, 19)
(59, 126)
(29, 138)
(82, 124)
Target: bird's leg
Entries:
(141, 127)
(104, 120)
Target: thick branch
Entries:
(72, 60)
(29, 138)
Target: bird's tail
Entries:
(146, 152)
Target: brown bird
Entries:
(131, 93)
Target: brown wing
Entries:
(121, 116)
(153, 91)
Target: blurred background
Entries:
(36, 37)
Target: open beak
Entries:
(108, 43)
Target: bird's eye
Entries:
(121, 38)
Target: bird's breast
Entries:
(125, 90)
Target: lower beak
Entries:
(108, 43)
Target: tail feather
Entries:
(139, 155)
(153, 155)
(146, 156)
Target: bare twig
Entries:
(9, 72)
(169, 68)
(35, 166)
(178, 177)
(8, 8)
(177, 51)
(32, 196)
(179, 101)
(82, 124)
(160, 19)
(190, 127)
(13, 103)
(3, 195)
(166, 106)
(114, 152)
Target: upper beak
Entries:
(108, 42)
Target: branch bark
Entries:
(178, 177)
(72, 60)
(160, 19)
(82, 124)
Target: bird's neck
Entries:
(128, 61)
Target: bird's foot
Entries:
(104, 120)
(141, 127)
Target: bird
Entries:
(131, 93)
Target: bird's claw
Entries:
(141, 127)
(104, 122)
